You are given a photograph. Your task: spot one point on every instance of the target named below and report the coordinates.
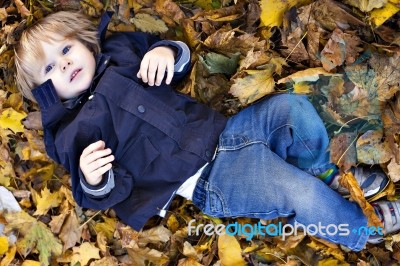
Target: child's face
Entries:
(69, 64)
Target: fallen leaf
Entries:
(394, 170)
(30, 263)
(309, 74)
(229, 251)
(9, 118)
(217, 63)
(84, 253)
(108, 227)
(35, 234)
(367, 5)
(147, 23)
(154, 235)
(109, 261)
(341, 47)
(46, 200)
(9, 256)
(343, 150)
(70, 233)
(372, 148)
(379, 16)
(256, 84)
(3, 245)
(348, 181)
(272, 11)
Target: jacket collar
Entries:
(46, 95)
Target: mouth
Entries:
(75, 73)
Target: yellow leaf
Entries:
(229, 251)
(332, 262)
(310, 74)
(188, 262)
(84, 253)
(379, 16)
(46, 201)
(272, 11)
(30, 263)
(302, 88)
(147, 23)
(11, 119)
(3, 245)
(108, 227)
(367, 5)
(6, 260)
(154, 235)
(255, 85)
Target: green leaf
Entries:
(218, 63)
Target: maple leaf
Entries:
(147, 23)
(9, 118)
(256, 84)
(229, 251)
(35, 235)
(46, 200)
(108, 227)
(84, 253)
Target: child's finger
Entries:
(151, 73)
(170, 69)
(144, 65)
(100, 163)
(100, 171)
(160, 73)
(96, 155)
(93, 147)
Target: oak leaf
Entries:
(35, 235)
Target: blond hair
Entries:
(29, 50)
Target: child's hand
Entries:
(157, 61)
(95, 161)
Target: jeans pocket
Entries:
(218, 205)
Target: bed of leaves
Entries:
(344, 55)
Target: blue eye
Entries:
(48, 69)
(66, 49)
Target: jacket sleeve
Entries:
(127, 49)
(116, 185)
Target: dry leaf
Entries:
(229, 251)
(256, 84)
(46, 200)
(84, 253)
(147, 23)
(71, 231)
(348, 181)
(367, 5)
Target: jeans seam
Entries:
(301, 139)
(217, 191)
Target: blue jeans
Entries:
(267, 160)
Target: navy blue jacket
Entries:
(159, 137)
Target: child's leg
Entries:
(265, 157)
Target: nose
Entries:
(65, 63)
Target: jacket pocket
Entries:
(138, 155)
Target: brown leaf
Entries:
(296, 50)
(170, 10)
(348, 181)
(57, 222)
(22, 8)
(343, 150)
(71, 231)
(33, 121)
(109, 261)
(341, 47)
